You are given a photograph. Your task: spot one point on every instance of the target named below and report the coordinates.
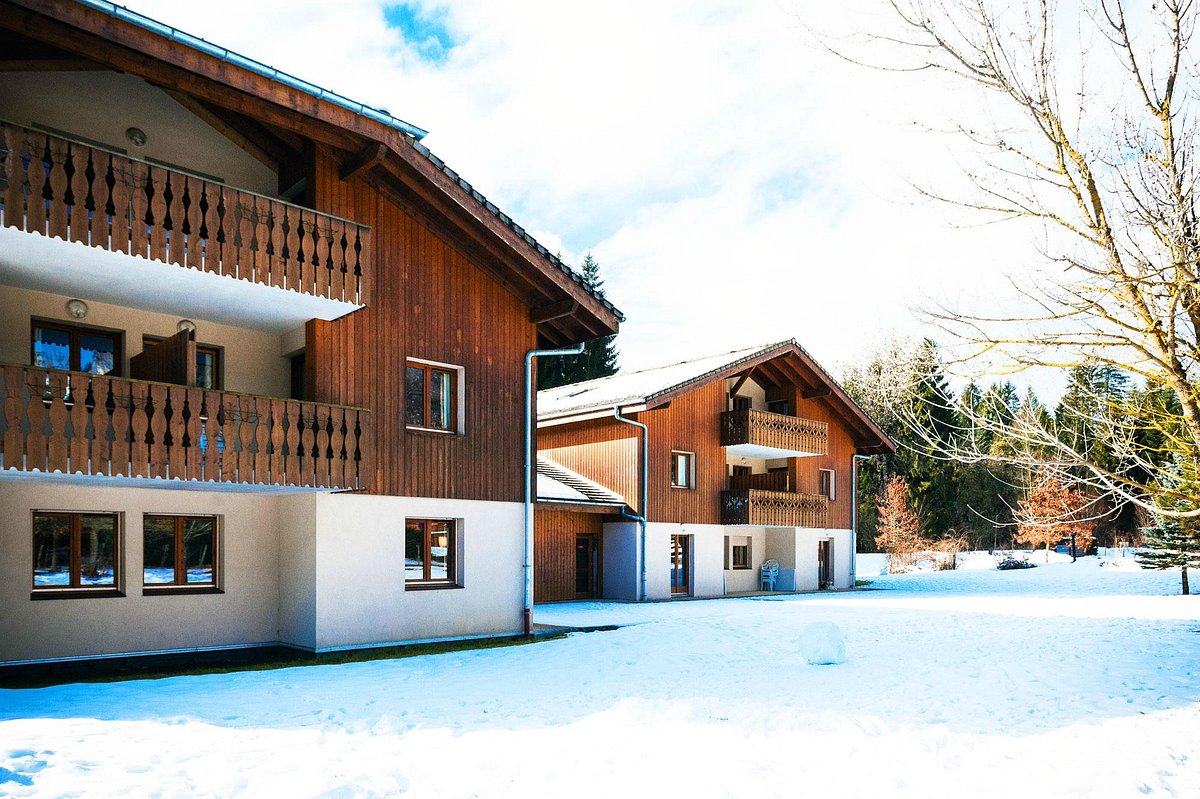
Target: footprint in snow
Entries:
(13, 776)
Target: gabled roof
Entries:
(372, 144)
(557, 483)
(655, 387)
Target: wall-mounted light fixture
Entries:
(136, 136)
(77, 308)
(186, 324)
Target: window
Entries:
(208, 363)
(75, 550)
(741, 402)
(780, 406)
(429, 551)
(683, 469)
(737, 552)
(179, 551)
(828, 484)
(431, 396)
(58, 345)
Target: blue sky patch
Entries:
(426, 31)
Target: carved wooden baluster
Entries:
(216, 243)
(227, 416)
(161, 438)
(291, 459)
(58, 182)
(262, 439)
(357, 261)
(77, 418)
(308, 468)
(269, 271)
(337, 258)
(193, 218)
(35, 439)
(13, 454)
(290, 238)
(101, 407)
(337, 443)
(211, 436)
(187, 462)
(35, 208)
(329, 256)
(78, 224)
(139, 429)
(247, 225)
(278, 441)
(156, 221)
(177, 216)
(321, 240)
(15, 177)
(245, 437)
(140, 188)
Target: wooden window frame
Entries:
(690, 479)
(427, 581)
(180, 583)
(218, 354)
(75, 586)
(74, 330)
(455, 374)
(831, 494)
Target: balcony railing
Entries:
(774, 508)
(770, 481)
(774, 431)
(77, 423)
(78, 192)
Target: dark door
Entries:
(824, 564)
(741, 477)
(587, 566)
(681, 568)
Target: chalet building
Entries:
(750, 457)
(262, 373)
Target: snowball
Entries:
(821, 643)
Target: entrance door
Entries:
(587, 566)
(681, 567)
(824, 564)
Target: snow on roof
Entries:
(557, 482)
(634, 388)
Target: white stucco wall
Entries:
(56, 628)
(297, 570)
(707, 552)
(253, 361)
(360, 592)
(737, 580)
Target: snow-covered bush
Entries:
(1011, 561)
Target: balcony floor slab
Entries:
(34, 261)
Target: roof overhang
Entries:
(404, 170)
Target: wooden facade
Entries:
(555, 534)
(443, 274)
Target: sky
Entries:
(736, 183)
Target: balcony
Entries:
(760, 508)
(193, 237)
(76, 423)
(761, 434)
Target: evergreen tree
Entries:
(599, 356)
(1172, 543)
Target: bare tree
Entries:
(1093, 141)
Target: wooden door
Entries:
(681, 565)
(824, 564)
(587, 566)
(741, 477)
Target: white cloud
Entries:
(735, 183)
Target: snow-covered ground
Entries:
(1063, 680)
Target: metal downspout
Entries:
(643, 499)
(527, 611)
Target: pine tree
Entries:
(599, 356)
(1172, 544)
